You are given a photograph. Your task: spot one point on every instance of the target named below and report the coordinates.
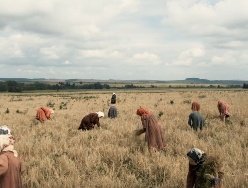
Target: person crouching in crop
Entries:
(195, 120)
(151, 128)
(89, 121)
(204, 171)
(223, 108)
(44, 114)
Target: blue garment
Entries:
(196, 120)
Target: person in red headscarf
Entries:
(44, 114)
(223, 108)
(151, 128)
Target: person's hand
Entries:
(11, 140)
(138, 132)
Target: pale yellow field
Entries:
(56, 154)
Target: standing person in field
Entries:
(151, 128)
(223, 108)
(113, 98)
(44, 114)
(195, 120)
(89, 121)
(204, 171)
(10, 164)
(112, 113)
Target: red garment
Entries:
(195, 106)
(10, 170)
(153, 132)
(223, 108)
(43, 114)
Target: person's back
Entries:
(11, 168)
(113, 98)
(112, 113)
(196, 121)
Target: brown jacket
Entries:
(10, 170)
(89, 121)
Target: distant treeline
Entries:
(13, 86)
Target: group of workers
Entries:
(202, 168)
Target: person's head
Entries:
(195, 106)
(100, 114)
(113, 94)
(142, 111)
(195, 156)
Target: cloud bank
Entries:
(124, 39)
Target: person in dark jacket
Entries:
(195, 120)
(112, 113)
(204, 171)
(113, 98)
(89, 121)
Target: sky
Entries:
(124, 39)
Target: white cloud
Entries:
(146, 58)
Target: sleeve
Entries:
(190, 120)
(97, 121)
(3, 164)
(202, 123)
(191, 177)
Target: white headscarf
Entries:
(195, 154)
(100, 114)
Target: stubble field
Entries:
(56, 154)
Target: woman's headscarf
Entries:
(142, 111)
(100, 114)
(195, 154)
(195, 106)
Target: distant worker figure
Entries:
(223, 108)
(44, 114)
(89, 121)
(151, 128)
(112, 113)
(204, 171)
(113, 98)
(196, 120)
(10, 164)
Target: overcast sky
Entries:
(124, 39)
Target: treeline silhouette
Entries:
(13, 86)
(245, 86)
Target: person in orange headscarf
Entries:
(195, 120)
(151, 128)
(223, 108)
(44, 114)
